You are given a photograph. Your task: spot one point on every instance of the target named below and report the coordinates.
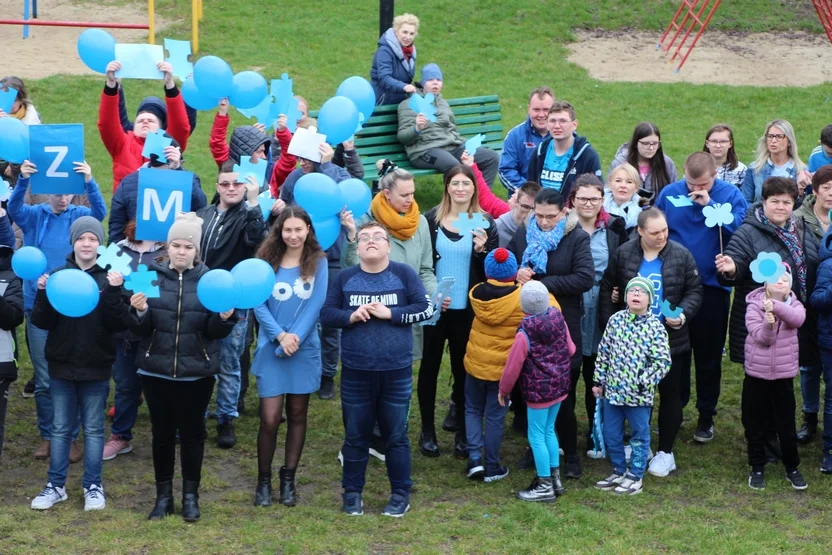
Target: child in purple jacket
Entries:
(771, 362)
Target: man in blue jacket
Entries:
(563, 155)
(687, 226)
(521, 141)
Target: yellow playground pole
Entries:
(196, 7)
(200, 9)
(151, 22)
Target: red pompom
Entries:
(501, 255)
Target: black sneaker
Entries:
(397, 506)
(757, 480)
(807, 431)
(226, 438)
(573, 468)
(327, 390)
(353, 504)
(29, 389)
(826, 464)
(475, 470)
(494, 475)
(704, 433)
(795, 478)
(527, 461)
(460, 445)
(449, 424)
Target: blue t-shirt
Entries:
(818, 158)
(554, 167)
(652, 270)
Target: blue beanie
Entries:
(431, 71)
(500, 265)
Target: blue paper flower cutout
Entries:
(718, 214)
(767, 268)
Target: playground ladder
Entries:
(824, 9)
(693, 13)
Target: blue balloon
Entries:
(356, 196)
(318, 194)
(256, 279)
(338, 119)
(218, 291)
(72, 292)
(29, 263)
(14, 140)
(250, 88)
(327, 230)
(214, 74)
(97, 48)
(361, 92)
(194, 98)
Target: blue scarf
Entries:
(540, 243)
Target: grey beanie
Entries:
(86, 224)
(534, 298)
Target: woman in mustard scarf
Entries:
(22, 109)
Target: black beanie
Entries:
(156, 106)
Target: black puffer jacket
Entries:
(11, 315)
(82, 349)
(179, 335)
(681, 285)
(231, 236)
(752, 238)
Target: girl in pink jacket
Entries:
(771, 362)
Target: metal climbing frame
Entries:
(688, 16)
(824, 9)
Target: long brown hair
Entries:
(658, 170)
(731, 159)
(273, 248)
(445, 205)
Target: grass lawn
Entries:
(483, 47)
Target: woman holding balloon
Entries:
(287, 361)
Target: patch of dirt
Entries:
(52, 50)
(782, 59)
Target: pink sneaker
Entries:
(115, 446)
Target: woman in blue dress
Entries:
(287, 362)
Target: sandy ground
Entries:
(788, 59)
(52, 50)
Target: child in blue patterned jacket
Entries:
(633, 357)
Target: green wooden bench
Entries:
(478, 114)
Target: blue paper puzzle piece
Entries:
(285, 102)
(668, 312)
(443, 290)
(155, 143)
(113, 257)
(141, 281)
(472, 144)
(138, 61)
(266, 202)
(5, 190)
(7, 99)
(423, 105)
(468, 224)
(292, 113)
(718, 214)
(178, 53)
(262, 112)
(246, 168)
(680, 201)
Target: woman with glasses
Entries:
(719, 142)
(459, 254)
(776, 157)
(553, 248)
(606, 233)
(644, 152)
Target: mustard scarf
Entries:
(400, 227)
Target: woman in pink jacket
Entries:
(771, 351)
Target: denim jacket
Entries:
(752, 183)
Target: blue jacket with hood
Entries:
(391, 71)
(821, 299)
(584, 160)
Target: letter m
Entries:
(151, 198)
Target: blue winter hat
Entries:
(156, 106)
(500, 265)
(431, 71)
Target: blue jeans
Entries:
(543, 440)
(826, 357)
(481, 402)
(67, 398)
(810, 387)
(128, 389)
(229, 378)
(367, 397)
(639, 420)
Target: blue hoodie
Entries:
(518, 149)
(687, 224)
(48, 231)
(390, 71)
(821, 299)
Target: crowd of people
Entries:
(615, 279)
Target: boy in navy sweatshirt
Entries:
(376, 303)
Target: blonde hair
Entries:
(627, 168)
(405, 19)
(762, 146)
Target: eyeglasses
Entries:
(560, 122)
(525, 207)
(718, 143)
(651, 144)
(229, 184)
(775, 137)
(377, 238)
(550, 218)
(460, 184)
(592, 201)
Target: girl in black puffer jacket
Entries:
(178, 357)
(11, 316)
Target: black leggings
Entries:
(177, 406)
(566, 425)
(271, 408)
(670, 401)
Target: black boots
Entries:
(288, 494)
(263, 493)
(428, 445)
(451, 422)
(557, 485)
(190, 500)
(164, 501)
(807, 431)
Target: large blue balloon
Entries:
(356, 196)
(318, 194)
(327, 230)
(97, 48)
(29, 263)
(338, 119)
(195, 98)
(256, 279)
(14, 140)
(72, 292)
(218, 291)
(361, 92)
(214, 74)
(250, 88)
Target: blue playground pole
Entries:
(34, 9)
(26, 17)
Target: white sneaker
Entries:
(94, 498)
(628, 486)
(48, 497)
(662, 464)
(628, 453)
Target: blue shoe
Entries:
(397, 506)
(826, 465)
(353, 504)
